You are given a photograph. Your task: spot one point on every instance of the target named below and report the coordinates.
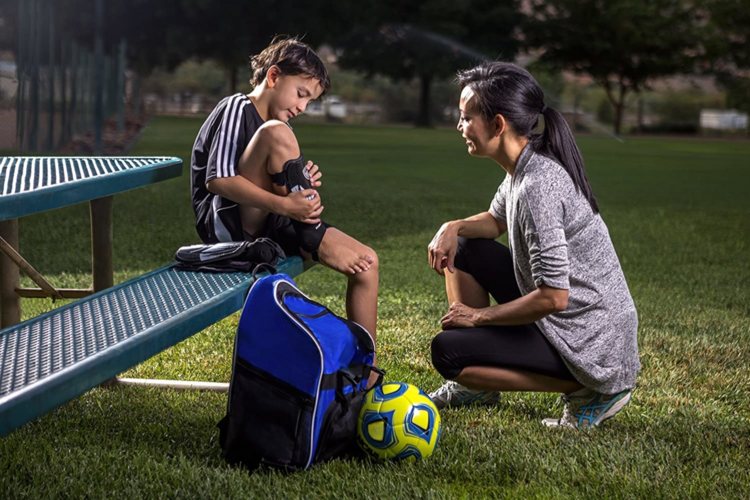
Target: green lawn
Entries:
(679, 215)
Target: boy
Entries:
(243, 158)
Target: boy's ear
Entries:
(272, 76)
(500, 125)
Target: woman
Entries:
(565, 321)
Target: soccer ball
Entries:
(398, 421)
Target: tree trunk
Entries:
(640, 115)
(619, 108)
(423, 117)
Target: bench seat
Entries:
(53, 358)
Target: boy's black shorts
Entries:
(280, 229)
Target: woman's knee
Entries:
(465, 252)
(474, 254)
(442, 359)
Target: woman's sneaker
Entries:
(587, 408)
(454, 394)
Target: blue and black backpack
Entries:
(298, 380)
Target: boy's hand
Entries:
(315, 174)
(298, 207)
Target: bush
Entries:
(681, 109)
(669, 128)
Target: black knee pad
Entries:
(296, 177)
(309, 236)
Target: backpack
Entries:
(298, 380)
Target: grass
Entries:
(678, 213)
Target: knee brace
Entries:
(296, 177)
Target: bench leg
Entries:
(171, 384)
(101, 242)
(10, 302)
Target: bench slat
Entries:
(29, 185)
(49, 360)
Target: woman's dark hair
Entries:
(292, 57)
(506, 89)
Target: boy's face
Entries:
(291, 94)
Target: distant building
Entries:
(714, 119)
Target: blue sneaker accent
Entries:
(586, 408)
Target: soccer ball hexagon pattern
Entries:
(398, 422)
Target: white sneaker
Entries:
(454, 394)
(587, 408)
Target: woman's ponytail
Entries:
(557, 142)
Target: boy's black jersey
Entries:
(220, 143)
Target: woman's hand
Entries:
(315, 174)
(442, 248)
(297, 206)
(460, 316)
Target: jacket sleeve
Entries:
(541, 214)
(497, 207)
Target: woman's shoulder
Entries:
(544, 176)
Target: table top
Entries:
(36, 184)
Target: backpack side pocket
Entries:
(270, 422)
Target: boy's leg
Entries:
(272, 146)
(267, 144)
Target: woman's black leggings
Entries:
(521, 347)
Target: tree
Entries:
(621, 44)
(726, 35)
(229, 32)
(427, 39)
(726, 42)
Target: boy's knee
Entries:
(281, 136)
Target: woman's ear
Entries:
(500, 125)
(272, 75)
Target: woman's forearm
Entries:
(527, 309)
(482, 225)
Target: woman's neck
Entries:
(261, 104)
(508, 152)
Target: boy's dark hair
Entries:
(292, 57)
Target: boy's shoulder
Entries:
(234, 99)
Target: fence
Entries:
(62, 88)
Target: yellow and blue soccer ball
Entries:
(399, 422)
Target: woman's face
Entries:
(472, 125)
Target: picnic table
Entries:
(31, 185)
(52, 358)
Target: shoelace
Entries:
(566, 409)
(446, 388)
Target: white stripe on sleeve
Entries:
(231, 170)
(223, 139)
(229, 139)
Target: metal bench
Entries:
(31, 185)
(49, 360)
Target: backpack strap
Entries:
(263, 265)
(362, 336)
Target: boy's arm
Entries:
(242, 191)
